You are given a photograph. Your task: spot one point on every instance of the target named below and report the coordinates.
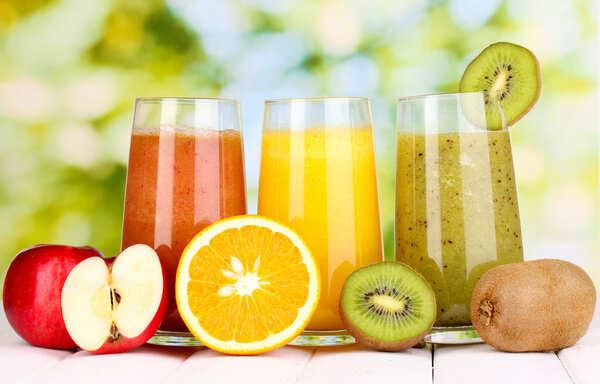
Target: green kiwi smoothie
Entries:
(456, 212)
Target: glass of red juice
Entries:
(186, 171)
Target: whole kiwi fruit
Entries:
(539, 305)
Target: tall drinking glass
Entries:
(186, 170)
(318, 176)
(456, 202)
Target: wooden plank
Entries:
(147, 364)
(480, 363)
(581, 360)
(282, 365)
(20, 360)
(581, 363)
(357, 364)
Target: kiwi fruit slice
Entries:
(387, 306)
(509, 77)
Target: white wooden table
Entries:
(478, 363)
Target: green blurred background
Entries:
(70, 70)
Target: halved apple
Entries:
(114, 305)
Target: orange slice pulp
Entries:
(246, 285)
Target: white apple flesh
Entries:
(114, 305)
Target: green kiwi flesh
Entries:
(387, 306)
(509, 77)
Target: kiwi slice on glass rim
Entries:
(387, 306)
(509, 77)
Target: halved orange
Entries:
(247, 285)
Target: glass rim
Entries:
(449, 99)
(186, 100)
(437, 96)
(316, 100)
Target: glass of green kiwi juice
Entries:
(456, 202)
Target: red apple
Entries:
(114, 305)
(32, 291)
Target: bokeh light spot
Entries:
(78, 145)
(338, 28)
(26, 99)
(91, 96)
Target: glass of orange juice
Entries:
(318, 175)
(186, 171)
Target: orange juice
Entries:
(322, 182)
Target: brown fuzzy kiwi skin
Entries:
(362, 338)
(378, 344)
(539, 305)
